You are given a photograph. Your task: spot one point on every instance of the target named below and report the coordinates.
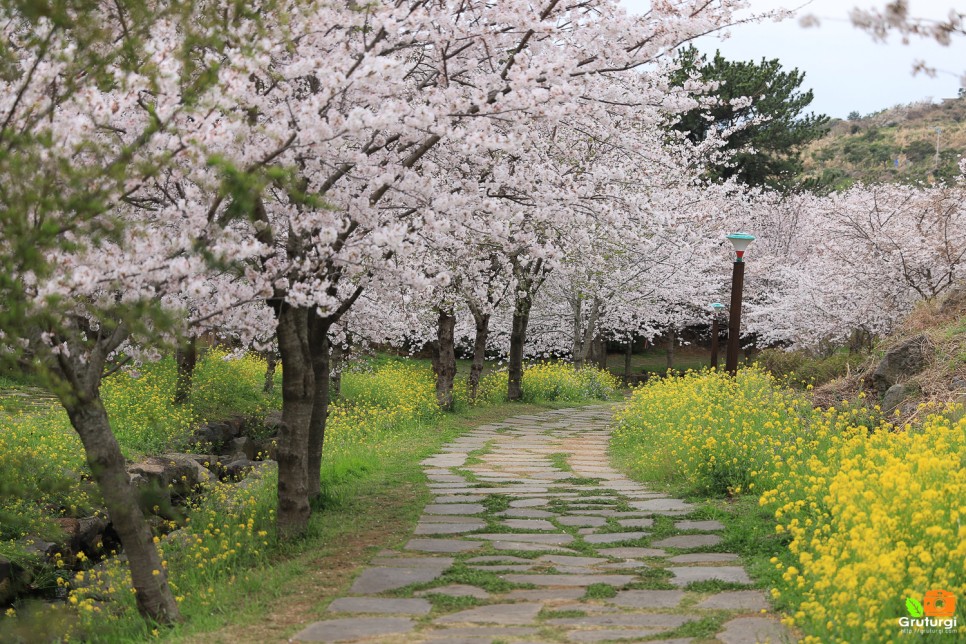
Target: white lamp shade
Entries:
(741, 242)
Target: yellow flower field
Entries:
(873, 513)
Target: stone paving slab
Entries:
(455, 590)
(688, 541)
(749, 600)
(562, 543)
(379, 580)
(392, 605)
(648, 598)
(751, 630)
(510, 614)
(569, 580)
(353, 629)
(704, 557)
(442, 545)
(731, 574)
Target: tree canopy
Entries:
(769, 128)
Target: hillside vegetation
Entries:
(893, 145)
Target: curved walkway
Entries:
(533, 537)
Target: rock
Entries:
(266, 449)
(242, 448)
(901, 362)
(180, 472)
(895, 396)
(954, 303)
(353, 629)
(273, 421)
(38, 547)
(8, 580)
(86, 534)
(195, 464)
(238, 469)
(216, 435)
(754, 629)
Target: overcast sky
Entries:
(843, 66)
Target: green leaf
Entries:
(914, 607)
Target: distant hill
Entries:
(895, 145)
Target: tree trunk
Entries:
(445, 364)
(319, 347)
(186, 357)
(628, 357)
(271, 359)
(298, 394)
(602, 354)
(479, 352)
(336, 365)
(148, 576)
(518, 338)
(670, 348)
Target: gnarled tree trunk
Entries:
(319, 347)
(271, 362)
(628, 357)
(482, 321)
(518, 339)
(298, 395)
(445, 363)
(78, 388)
(148, 576)
(336, 364)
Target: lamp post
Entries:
(715, 308)
(740, 241)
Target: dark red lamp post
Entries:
(740, 241)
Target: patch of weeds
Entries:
(547, 613)
(446, 603)
(583, 480)
(473, 457)
(704, 628)
(652, 579)
(469, 475)
(600, 591)
(714, 586)
(488, 581)
(663, 527)
(559, 461)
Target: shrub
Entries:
(801, 368)
(553, 381)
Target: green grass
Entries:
(559, 461)
(600, 591)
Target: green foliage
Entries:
(553, 381)
(802, 368)
(767, 153)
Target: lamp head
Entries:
(741, 242)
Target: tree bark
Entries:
(585, 348)
(479, 351)
(298, 394)
(670, 348)
(271, 359)
(518, 339)
(336, 364)
(628, 357)
(186, 358)
(109, 469)
(445, 364)
(319, 346)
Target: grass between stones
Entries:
(559, 461)
(600, 591)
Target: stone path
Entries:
(533, 537)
